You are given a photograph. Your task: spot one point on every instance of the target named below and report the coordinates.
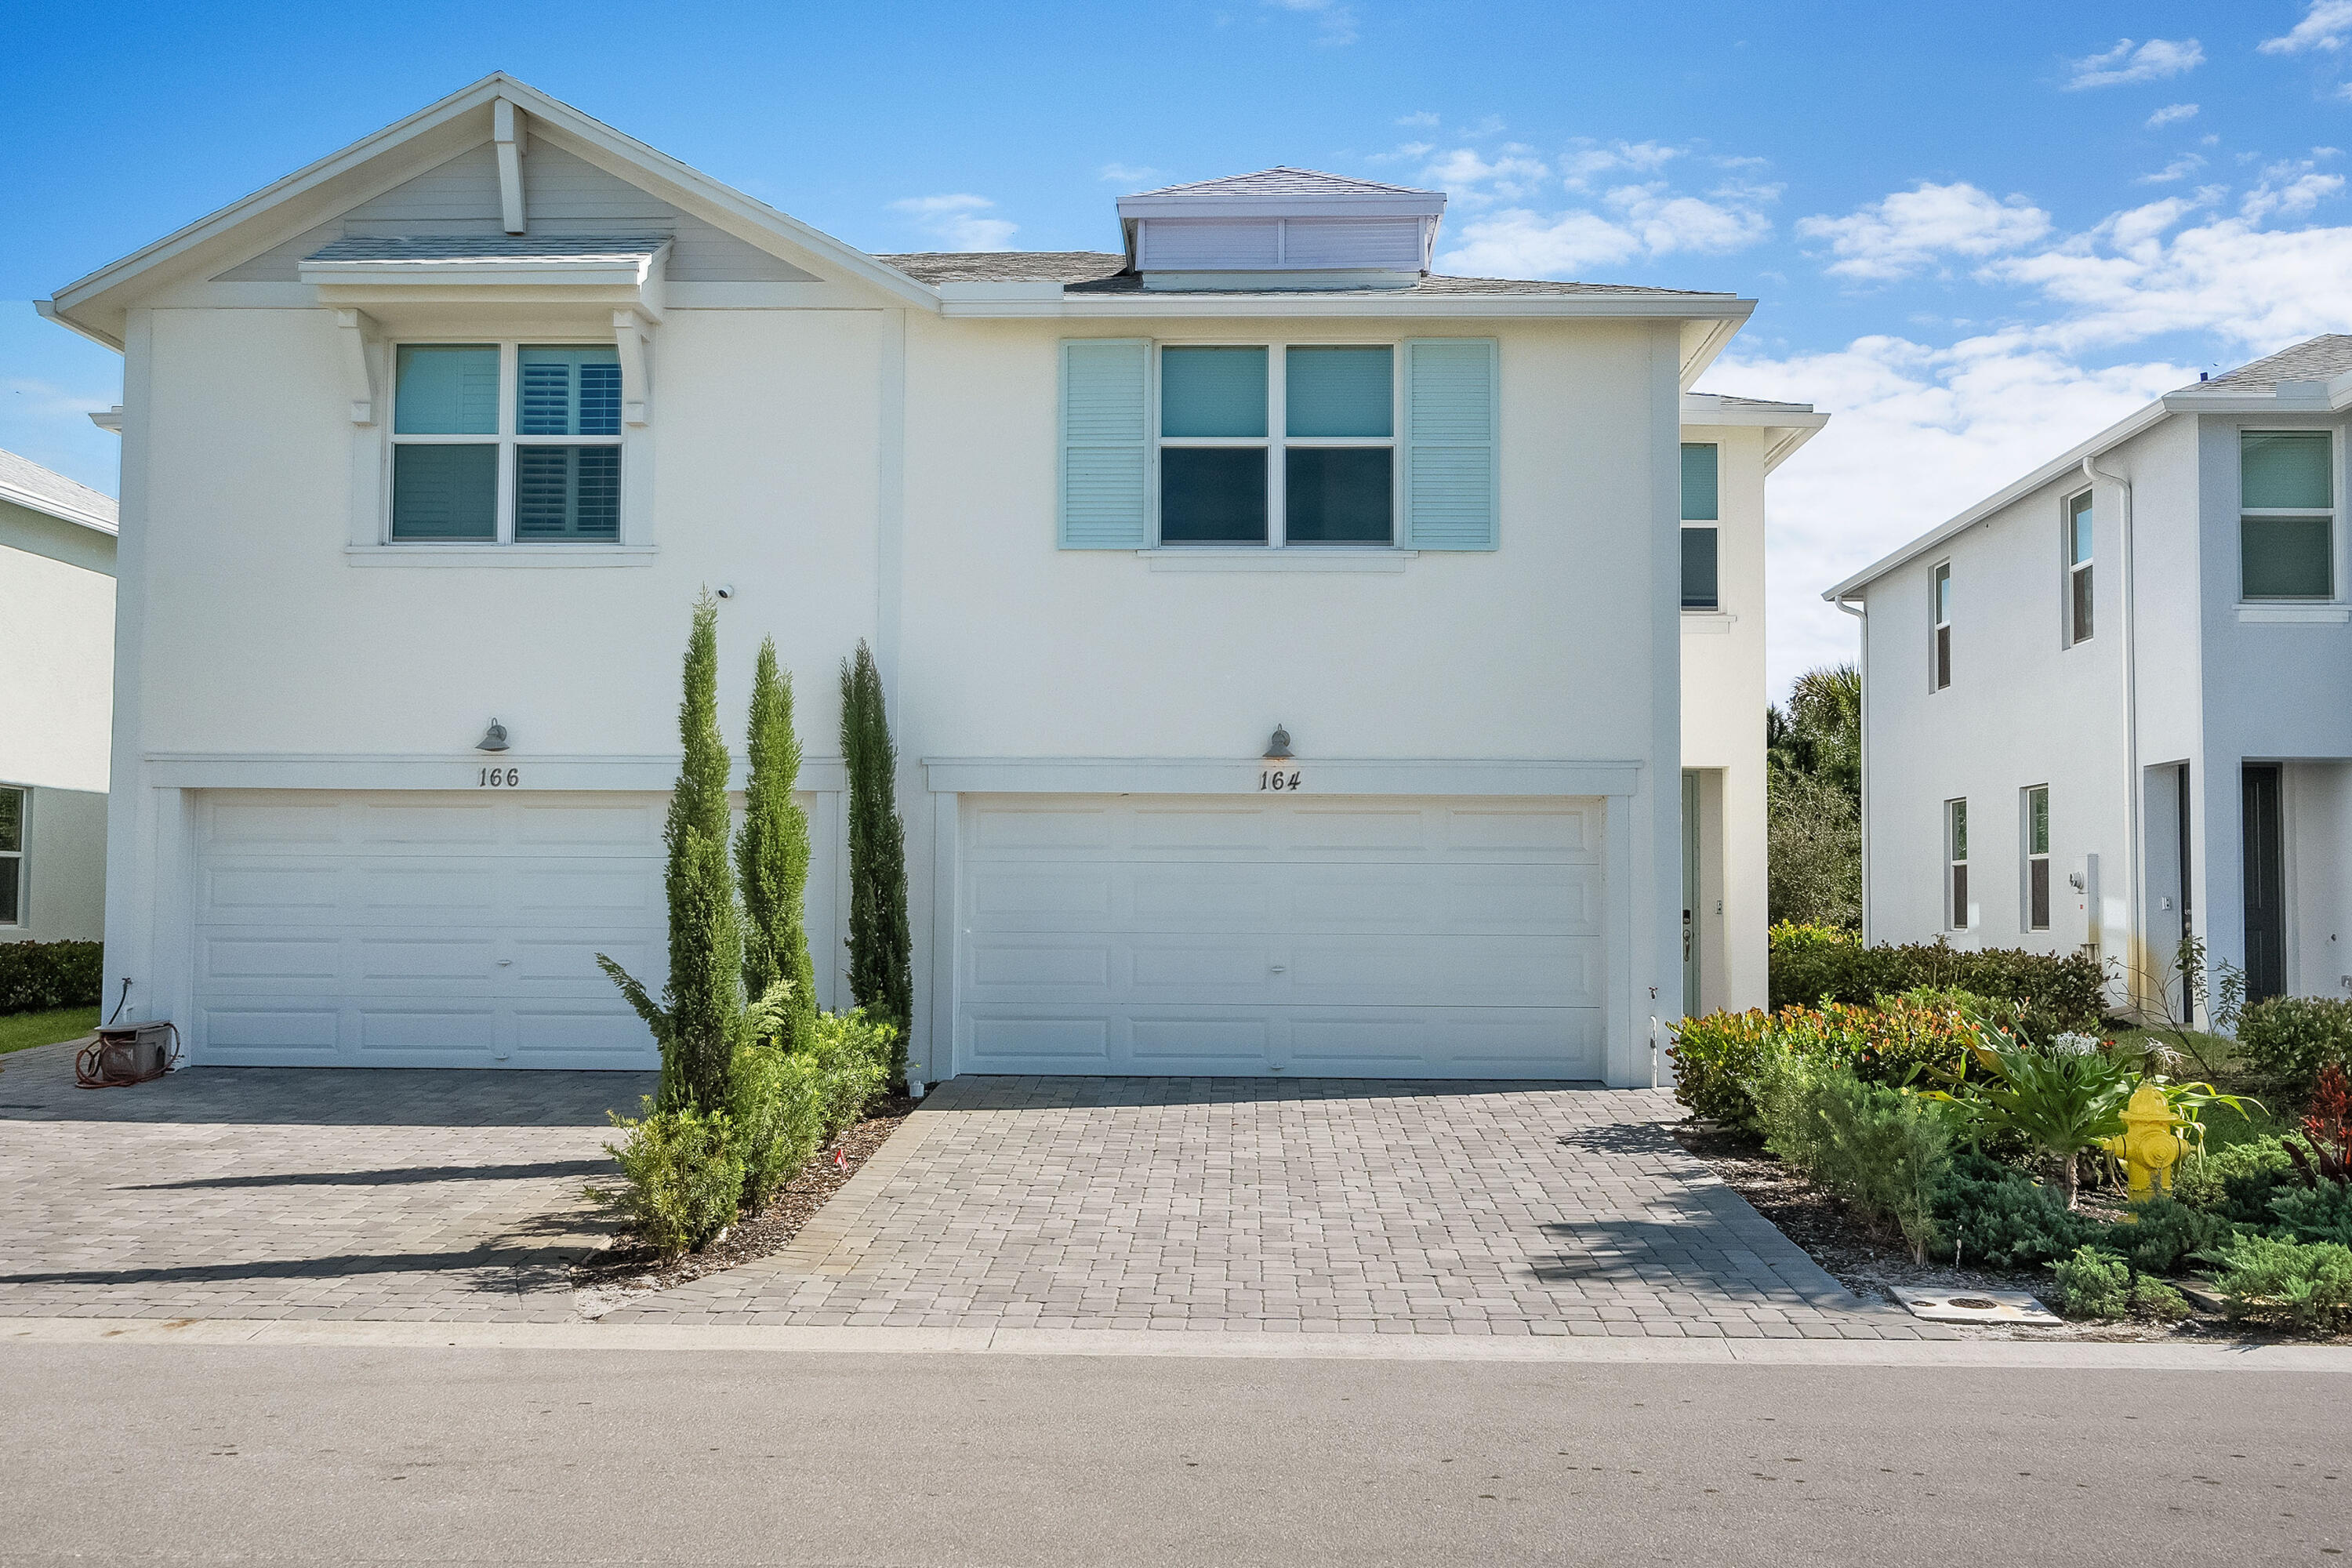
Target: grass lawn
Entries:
(22, 1031)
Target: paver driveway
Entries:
(288, 1193)
(1313, 1206)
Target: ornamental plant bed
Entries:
(1871, 1264)
(630, 1266)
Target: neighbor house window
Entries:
(2286, 521)
(2037, 857)
(1956, 840)
(2078, 569)
(1289, 448)
(1942, 655)
(12, 857)
(506, 443)
(1701, 590)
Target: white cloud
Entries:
(1909, 230)
(1335, 22)
(1129, 174)
(959, 220)
(2173, 114)
(1424, 120)
(1916, 433)
(2154, 60)
(1631, 222)
(1511, 176)
(1586, 160)
(2181, 168)
(2324, 26)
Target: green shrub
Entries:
(1810, 963)
(2155, 1299)
(681, 1178)
(2235, 1183)
(2286, 1040)
(1882, 1149)
(2059, 1102)
(2322, 1212)
(2308, 1283)
(1997, 1216)
(1919, 1036)
(853, 1056)
(2163, 1232)
(881, 973)
(778, 1119)
(2093, 1283)
(41, 976)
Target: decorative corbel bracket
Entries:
(630, 331)
(356, 328)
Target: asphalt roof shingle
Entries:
(1091, 272)
(28, 483)
(2315, 359)
(1284, 181)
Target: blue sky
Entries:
(1977, 234)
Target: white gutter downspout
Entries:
(1862, 753)
(2133, 935)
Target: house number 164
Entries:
(1275, 778)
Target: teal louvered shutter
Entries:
(1106, 444)
(1450, 461)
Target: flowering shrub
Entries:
(1717, 1057)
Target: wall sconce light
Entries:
(494, 739)
(1277, 745)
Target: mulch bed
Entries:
(628, 1265)
(1871, 1264)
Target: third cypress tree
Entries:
(881, 963)
(772, 854)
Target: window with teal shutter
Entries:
(554, 448)
(565, 493)
(1450, 450)
(1106, 441)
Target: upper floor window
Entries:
(1955, 853)
(1290, 448)
(1942, 655)
(2037, 857)
(2287, 522)
(1701, 586)
(12, 857)
(506, 443)
(2078, 568)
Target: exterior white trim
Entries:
(1262, 558)
(2294, 615)
(1238, 776)
(489, 554)
(453, 771)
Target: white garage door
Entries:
(410, 929)
(1331, 937)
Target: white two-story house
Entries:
(2114, 702)
(57, 681)
(454, 425)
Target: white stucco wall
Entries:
(56, 662)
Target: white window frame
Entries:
(1276, 442)
(2334, 594)
(1957, 906)
(1939, 627)
(505, 440)
(24, 793)
(2029, 856)
(2073, 569)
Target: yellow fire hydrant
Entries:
(2151, 1143)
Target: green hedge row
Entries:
(1812, 965)
(35, 976)
(2286, 1041)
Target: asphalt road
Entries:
(314, 1454)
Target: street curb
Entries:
(1963, 1354)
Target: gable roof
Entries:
(97, 305)
(2296, 379)
(44, 490)
(1094, 272)
(1282, 180)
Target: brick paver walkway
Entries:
(1288, 1208)
(298, 1194)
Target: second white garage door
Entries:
(1310, 937)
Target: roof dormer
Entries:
(1281, 228)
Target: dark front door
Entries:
(2265, 885)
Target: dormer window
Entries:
(1281, 229)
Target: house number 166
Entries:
(499, 778)
(1275, 778)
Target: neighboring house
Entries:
(57, 702)
(2114, 702)
(453, 427)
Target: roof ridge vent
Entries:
(1281, 228)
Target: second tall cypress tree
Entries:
(772, 854)
(881, 959)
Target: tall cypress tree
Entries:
(701, 1011)
(772, 855)
(881, 954)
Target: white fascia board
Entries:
(1239, 775)
(1704, 338)
(1712, 309)
(574, 131)
(64, 512)
(1789, 425)
(2114, 436)
(2286, 397)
